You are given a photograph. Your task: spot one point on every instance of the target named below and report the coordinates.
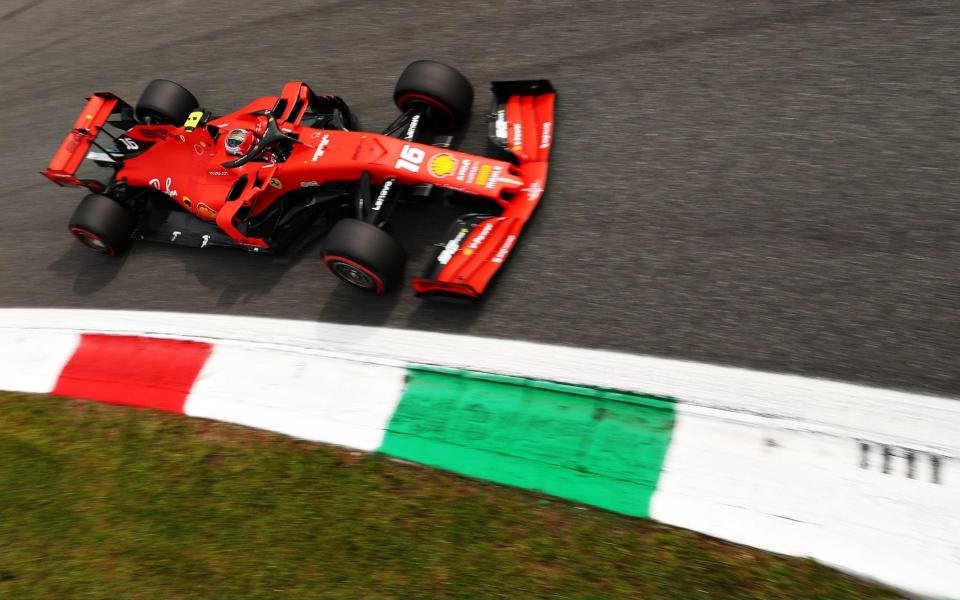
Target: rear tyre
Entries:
(102, 224)
(164, 102)
(364, 256)
(444, 89)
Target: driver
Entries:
(240, 141)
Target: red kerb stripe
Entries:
(139, 371)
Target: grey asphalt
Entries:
(764, 184)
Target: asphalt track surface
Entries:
(771, 185)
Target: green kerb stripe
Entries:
(593, 446)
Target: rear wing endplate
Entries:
(63, 167)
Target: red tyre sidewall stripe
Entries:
(376, 279)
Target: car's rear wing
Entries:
(63, 167)
(478, 244)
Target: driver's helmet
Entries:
(240, 141)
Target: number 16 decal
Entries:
(410, 158)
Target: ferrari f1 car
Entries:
(287, 169)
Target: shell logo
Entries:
(442, 165)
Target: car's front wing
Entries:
(478, 244)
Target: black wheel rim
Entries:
(354, 276)
(150, 117)
(443, 118)
(93, 242)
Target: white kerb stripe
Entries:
(315, 398)
(826, 496)
(31, 361)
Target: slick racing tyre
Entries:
(164, 102)
(444, 89)
(102, 224)
(364, 256)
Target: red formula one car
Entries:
(286, 169)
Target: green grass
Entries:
(104, 501)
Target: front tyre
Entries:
(442, 88)
(102, 224)
(364, 256)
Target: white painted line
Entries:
(881, 415)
